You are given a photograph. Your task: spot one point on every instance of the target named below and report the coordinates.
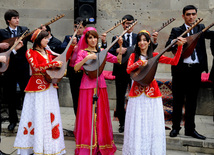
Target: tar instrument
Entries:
(192, 42)
(54, 75)
(90, 66)
(130, 49)
(4, 66)
(144, 75)
(11, 41)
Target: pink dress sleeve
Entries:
(80, 56)
(111, 58)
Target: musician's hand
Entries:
(4, 46)
(122, 51)
(103, 38)
(181, 41)
(155, 36)
(20, 44)
(145, 62)
(3, 59)
(59, 64)
(43, 27)
(120, 41)
(74, 41)
(91, 56)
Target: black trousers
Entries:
(13, 76)
(121, 87)
(75, 81)
(185, 87)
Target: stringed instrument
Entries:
(130, 49)
(192, 42)
(54, 75)
(144, 75)
(116, 25)
(91, 66)
(4, 66)
(11, 41)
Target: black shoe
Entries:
(11, 126)
(121, 129)
(174, 133)
(2, 153)
(195, 134)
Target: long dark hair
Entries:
(137, 49)
(38, 39)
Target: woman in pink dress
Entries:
(103, 142)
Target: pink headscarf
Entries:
(80, 46)
(82, 43)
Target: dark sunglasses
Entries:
(188, 14)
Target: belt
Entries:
(191, 65)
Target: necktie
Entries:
(128, 39)
(193, 53)
(14, 33)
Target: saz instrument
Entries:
(54, 75)
(116, 25)
(192, 42)
(4, 66)
(11, 41)
(144, 75)
(130, 49)
(90, 66)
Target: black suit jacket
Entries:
(200, 47)
(55, 45)
(17, 61)
(120, 69)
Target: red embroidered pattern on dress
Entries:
(55, 129)
(26, 130)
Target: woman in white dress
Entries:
(144, 124)
(40, 128)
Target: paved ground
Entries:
(181, 145)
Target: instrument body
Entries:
(91, 66)
(54, 75)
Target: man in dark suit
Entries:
(54, 43)
(18, 70)
(186, 76)
(122, 79)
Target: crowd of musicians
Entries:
(40, 129)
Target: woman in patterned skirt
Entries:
(144, 124)
(40, 128)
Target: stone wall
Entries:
(150, 14)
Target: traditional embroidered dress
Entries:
(40, 128)
(103, 142)
(144, 124)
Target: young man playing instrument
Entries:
(18, 70)
(186, 76)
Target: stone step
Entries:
(180, 143)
